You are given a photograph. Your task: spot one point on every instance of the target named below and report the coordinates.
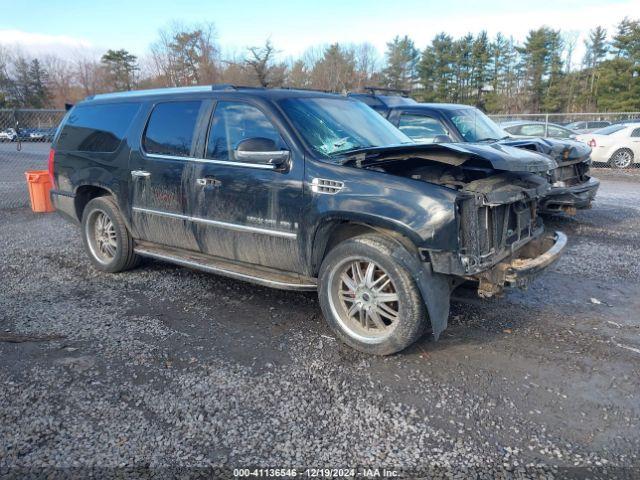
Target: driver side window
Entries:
(233, 122)
(421, 128)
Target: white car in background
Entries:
(618, 145)
(8, 135)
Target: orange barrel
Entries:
(39, 185)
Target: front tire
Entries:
(106, 238)
(369, 299)
(622, 158)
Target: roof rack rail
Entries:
(309, 89)
(401, 91)
(223, 86)
(230, 86)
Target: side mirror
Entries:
(442, 139)
(263, 151)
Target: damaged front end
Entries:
(499, 233)
(571, 185)
(501, 240)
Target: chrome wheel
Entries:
(622, 159)
(101, 236)
(364, 299)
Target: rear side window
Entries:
(635, 132)
(96, 128)
(171, 128)
(609, 130)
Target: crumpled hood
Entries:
(562, 151)
(501, 157)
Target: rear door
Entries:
(248, 212)
(159, 166)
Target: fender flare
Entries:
(434, 287)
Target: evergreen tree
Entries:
(38, 93)
(402, 58)
(597, 48)
(618, 84)
(626, 41)
(541, 59)
(480, 64)
(120, 67)
(436, 68)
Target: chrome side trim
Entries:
(215, 162)
(216, 223)
(223, 271)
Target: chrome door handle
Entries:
(208, 182)
(140, 173)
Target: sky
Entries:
(68, 26)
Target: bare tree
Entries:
(336, 70)
(61, 80)
(297, 74)
(186, 55)
(259, 63)
(87, 73)
(366, 57)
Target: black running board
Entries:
(267, 277)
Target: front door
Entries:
(159, 167)
(247, 212)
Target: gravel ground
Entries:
(165, 367)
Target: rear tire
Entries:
(621, 158)
(106, 238)
(368, 298)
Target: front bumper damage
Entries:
(516, 270)
(521, 269)
(502, 243)
(568, 199)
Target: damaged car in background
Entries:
(572, 187)
(303, 190)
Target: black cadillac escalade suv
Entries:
(302, 190)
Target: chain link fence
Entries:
(25, 138)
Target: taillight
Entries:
(52, 155)
(592, 142)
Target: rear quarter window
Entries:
(96, 128)
(610, 130)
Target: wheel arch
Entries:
(435, 288)
(332, 232)
(85, 193)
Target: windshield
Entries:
(609, 130)
(475, 126)
(332, 126)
